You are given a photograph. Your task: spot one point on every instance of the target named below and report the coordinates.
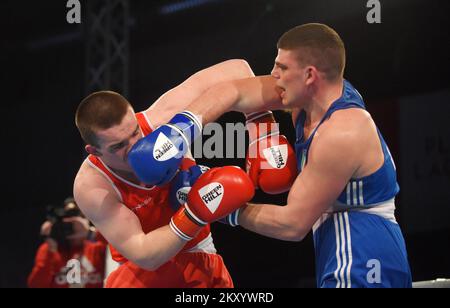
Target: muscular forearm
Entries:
(216, 101)
(179, 98)
(152, 250)
(272, 221)
(245, 95)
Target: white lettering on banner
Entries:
(374, 15)
(74, 14)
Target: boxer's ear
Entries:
(310, 75)
(92, 150)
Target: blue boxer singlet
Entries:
(358, 242)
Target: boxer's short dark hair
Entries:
(100, 110)
(317, 45)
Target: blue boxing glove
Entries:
(155, 158)
(182, 184)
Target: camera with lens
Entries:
(60, 229)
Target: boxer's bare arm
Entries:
(177, 99)
(334, 158)
(244, 95)
(120, 226)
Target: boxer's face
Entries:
(117, 141)
(292, 79)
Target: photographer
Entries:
(68, 237)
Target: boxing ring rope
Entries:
(437, 284)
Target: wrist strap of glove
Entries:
(261, 124)
(231, 219)
(256, 115)
(189, 125)
(185, 224)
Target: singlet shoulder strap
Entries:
(144, 123)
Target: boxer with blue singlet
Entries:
(346, 184)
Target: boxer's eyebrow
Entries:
(280, 65)
(116, 146)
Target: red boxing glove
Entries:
(271, 161)
(217, 193)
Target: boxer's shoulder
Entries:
(352, 134)
(350, 117)
(90, 184)
(354, 124)
(88, 176)
(345, 131)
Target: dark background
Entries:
(402, 62)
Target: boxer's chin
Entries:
(285, 101)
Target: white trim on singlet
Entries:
(348, 193)
(110, 264)
(361, 194)
(206, 246)
(344, 256)
(355, 193)
(384, 209)
(349, 250)
(125, 181)
(355, 196)
(107, 178)
(338, 251)
(148, 121)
